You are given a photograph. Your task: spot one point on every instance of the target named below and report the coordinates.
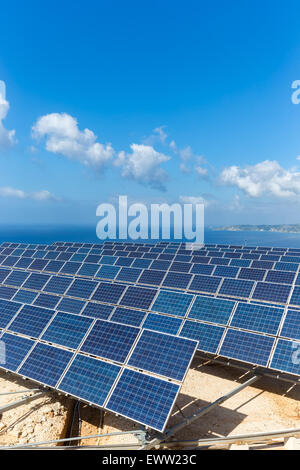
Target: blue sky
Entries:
(162, 101)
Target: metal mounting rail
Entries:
(23, 401)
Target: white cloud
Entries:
(158, 136)
(267, 177)
(64, 137)
(143, 165)
(6, 137)
(197, 200)
(200, 170)
(44, 195)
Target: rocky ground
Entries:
(267, 405)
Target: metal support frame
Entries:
(159, 439)
(23, 401)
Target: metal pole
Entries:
(23, 401)
(21, 391)
(170, 432)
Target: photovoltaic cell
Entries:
(209, 336)
(82, 288)
(145, 399)
(36, 281)
(202, 269)
(236, 287)
(258, 318)
(211, 310)
(45, 364)
(16, 349)
(31, 320)
(67, 330)
(71, 305)
(25, 296)
(107, 272)
(226, 271)
(291, 325)
(88, 269)
(162, 323)
(205, 283)
(271, 292)
(128, 274)
(16, 278)
(96, 310)
(128, 316)
(163, 354)
(247, 347)
(178, 280)
(152, 276)
(282, 277)
(138, 297)
(89, 379)
(7, 292)
(252, 274)
(109, 293)
(8, 309)
(285, 356)
(110, 340)
(58, 284)
(47, 300)
(173, 303)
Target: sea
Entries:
(47, 234)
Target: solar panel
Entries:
(131, 398)
(89, 379)
(211, 310)
(109, 293)
(152, 277)
(271, 292)
(110, 340)
(209, 336)
(248, 347)
(284, 277)
(36, 281)
(236, 287)
(286, 356)
(58, 284)
(88, 269)
(97, 310)
(8, 309)
(172, 303)
(16, 348)
(128, 316)
(3, 274)
(16, 278)
(138, 297)
(70, 305)
(128, 274)
(202, 269)
(31, 320)
(67, 330)
(165, 355)
(179, 280)
(162, 323)
(291, 325)
(258, 318)
(226, 271)
(205, 283)
(251, 274)
(47, 300)
(45, 364)
(81, 288)
(7, 292)
(25, 296)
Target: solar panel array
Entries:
(128, 316)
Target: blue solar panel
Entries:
(209, 336)
(45, 364)
(23, 263)
(38, 264)
(47, 300)
(257, 318)
(67, 330)
(3, 274)
(36, 281)
(122, 261)
(71, 305)
(202, 269)
(82, 288)
(107, 272)
(96, 310)
(54, 266)
(220, 261)
(163, 354)
(152, 277)
(71, 267)
(291, 325)
(8, 309)
(240, 262)
(286, 266)
(162, 323)
(7, 292)
(25, 296)
(173, 303)
(282, 277)
(295, 299)
(128, 274)
(31, 320)
(89, 379)
(252, 274)
(286, 356)
(138, 297)
(88, 269)
(248, 347)
(16, 349)
(262, 264)
(226, 271)
(141, 263)
(236, 287)
(58, 284)
(211, 310)
(110, 340)
(161, 265)
(128, 316)
(179, 280)
(180, 267)
(272, 292)
(109, 293)
(145, 399)
(10, 261)
(16, 278)
(205, 283)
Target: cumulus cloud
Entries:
(267, 177)
(158, 136)
(44, 195)
(143, 165)
(6, 137)
(64, 137)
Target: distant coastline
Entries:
(283, 228)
